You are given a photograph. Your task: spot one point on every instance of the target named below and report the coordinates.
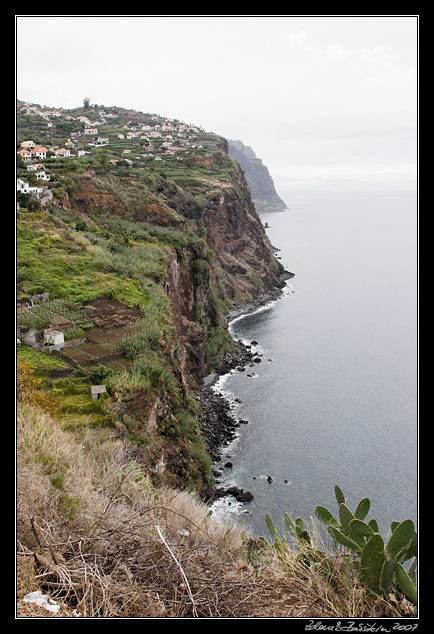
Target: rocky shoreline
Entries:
(218, 424)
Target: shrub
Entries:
(201, 271)
(218, 343)
(80, 225)
(28, 389)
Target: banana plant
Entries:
(380, 563)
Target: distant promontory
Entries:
(261, 185)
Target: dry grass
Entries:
(94, 534)
(129, 550)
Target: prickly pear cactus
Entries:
(380, 564)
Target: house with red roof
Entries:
(40, 151)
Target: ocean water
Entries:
(335, 398)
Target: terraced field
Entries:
(103, 323)
(112, 322)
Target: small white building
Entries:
(42, 176)
(63, 152)
(37, 191)
(29, 145)
(54, 337)
(22, 186)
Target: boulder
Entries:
(31, 338)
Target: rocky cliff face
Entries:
(218, 258)
(260, 183)
(180, 244)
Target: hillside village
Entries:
(136, 235)
(72, 135)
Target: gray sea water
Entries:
(335, 399)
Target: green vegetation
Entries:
(218, 343)
(360, 552)
(105, 475)
(122, 226)
(146, 373)
(41, 362)
(198, 461)
(380, 563)
(76, 410)
(52, 258)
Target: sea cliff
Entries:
(259, 180)
(152, 257)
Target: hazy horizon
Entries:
(329, 103)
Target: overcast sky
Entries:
(327, 102)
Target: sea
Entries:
(334, 400)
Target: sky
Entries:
(329, 103)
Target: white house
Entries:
(36, 190)
(40, 151)
(25, 154)
(42, 176)
(121, 136)
(22, 186)
(28, 144)
(63, 152)
(91, 130)
(102, 140)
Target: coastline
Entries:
(218, 424)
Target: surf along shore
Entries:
(218, 424)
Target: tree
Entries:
(86, 102)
